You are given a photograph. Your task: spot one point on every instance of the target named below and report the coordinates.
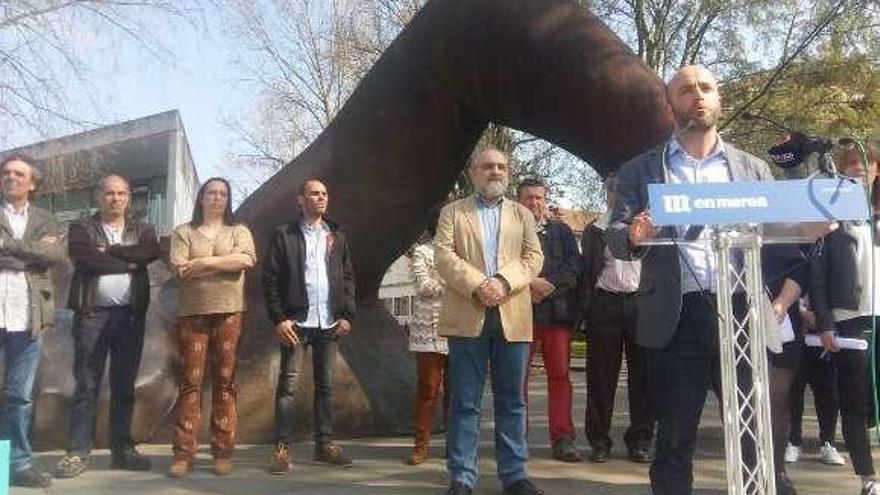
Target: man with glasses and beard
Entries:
(488, 253)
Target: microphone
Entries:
(790, 153)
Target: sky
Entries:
(195, 76)
(200, 82)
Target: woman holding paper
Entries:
(846, 300)
(785, 275)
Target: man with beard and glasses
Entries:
(677, 319)
(488, 252)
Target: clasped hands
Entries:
(491, 292)
(540, 289)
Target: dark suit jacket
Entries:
(593, 251)
(659, 294)
(562, 267)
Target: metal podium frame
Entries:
(743, 344)
(741, 217)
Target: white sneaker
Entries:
(870, 488)
(828, 455)
(792, 453)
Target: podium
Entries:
(736, 219)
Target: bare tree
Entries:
(304, 58)
(44, 77)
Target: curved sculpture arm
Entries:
(393, 152)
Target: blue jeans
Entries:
(468, 358)
(22, 359)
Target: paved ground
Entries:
(378, 469)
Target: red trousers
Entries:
(555, 342)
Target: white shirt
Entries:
(317, 284)
(697, 258)
(113, 289)
(618, 276)
(14, 294)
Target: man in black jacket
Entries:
(608, 304)
(309, 289)
(552, 312)
(109, 295)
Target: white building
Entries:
(151, 152)
(397, 290)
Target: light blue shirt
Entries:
(317, 284)
(698, 258)
(490, 223)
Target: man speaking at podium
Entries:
(677, 318)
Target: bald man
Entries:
(677, 319)
(109, 295)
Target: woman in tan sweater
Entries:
(210, 255)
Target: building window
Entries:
(402, 306)
(147, 202)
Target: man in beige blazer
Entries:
(488, 252)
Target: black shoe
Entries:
(30, 478)
(522, 487)
(599, 455)
(458, 488)
(784, 486)
(130, 460)
(642, 455)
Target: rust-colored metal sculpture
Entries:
(547, 67)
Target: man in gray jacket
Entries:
(677, 320)
(30, 242)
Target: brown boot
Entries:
(280, 462)
(331, 454)
(222, 467)
(418, 456)
(179, 468)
